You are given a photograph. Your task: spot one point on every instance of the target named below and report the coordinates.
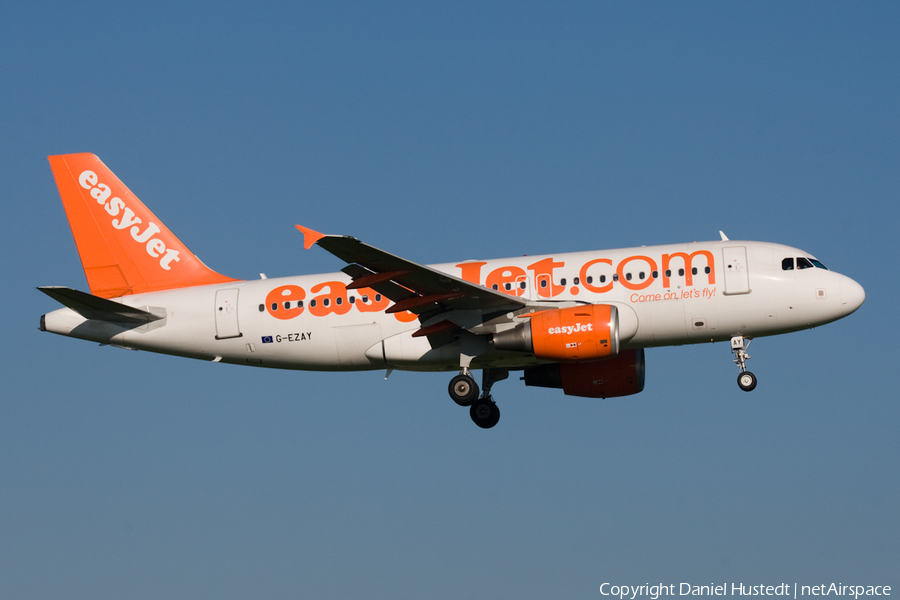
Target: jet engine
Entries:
(621, 375)
(577, 333)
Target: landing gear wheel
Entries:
(747, 381)
(485, 413)
(463, 390)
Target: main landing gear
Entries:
(464, 391)
(746, 380)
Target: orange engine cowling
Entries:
(622, 375)
(577, 333)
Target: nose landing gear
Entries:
(746, 380)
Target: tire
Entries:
(747, 381)
(485, 413)
(463, 390)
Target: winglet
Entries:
(310, 237)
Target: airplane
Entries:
(577, 321)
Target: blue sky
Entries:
(444, 133)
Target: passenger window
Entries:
(590, 279)
(508, 286)
(575, 281)
(365, 299)
(522, 285)
(262, 308)
(274, 306)
(803, 263)
(641, 275)
(655, 274)
(338, 300)
(616, 277)
(694, 271)
(287, 305)
(377, 297)
(543, 283)
(707, 270)
(603, 279)
(628, 276)
(495, 287)
(668, 272)
(352, 299)
(312, 303)
(681, 272)
(562, 281)
(326, 302)
(787, 264)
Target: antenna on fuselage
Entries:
(724, 237)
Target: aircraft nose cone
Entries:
(852, 296)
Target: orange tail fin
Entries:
(124, 248)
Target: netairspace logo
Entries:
(654, 592)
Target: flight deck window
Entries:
(818, 264)
(803, 263)
(787, 264)
(655, 274)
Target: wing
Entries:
(419, 289)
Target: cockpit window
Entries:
(787, 264)
(818, 264)
(803, 263)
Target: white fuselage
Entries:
(666, 295)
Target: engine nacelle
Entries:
(622, 375)
(577, 333)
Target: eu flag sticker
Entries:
(267, 339)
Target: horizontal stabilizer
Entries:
(95, 307)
